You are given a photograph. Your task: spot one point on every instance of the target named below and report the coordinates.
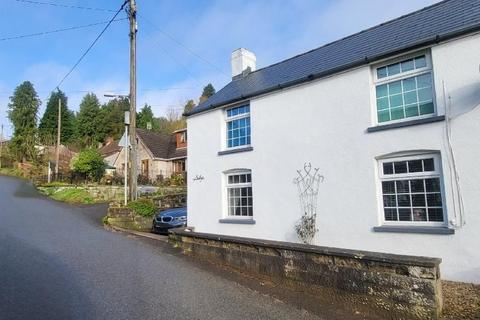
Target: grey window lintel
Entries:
(237, 221)
(414, 229)
(221, 153)
(405, 123)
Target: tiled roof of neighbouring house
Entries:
(430, 25)
(161, 145)
(110, 148)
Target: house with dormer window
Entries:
(160, 155)
(390, 116)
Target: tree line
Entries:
(92, 124)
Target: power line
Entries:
(183, 46)
(57, 30)
(93, 43)
(64, 5)
(187, 71)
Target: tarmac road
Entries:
(58, 262)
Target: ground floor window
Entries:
(145, 168)
(179, 166)
(239, 194)
(411, 190)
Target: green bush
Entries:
(73, 195)
(90, 163)
(177, 179)
(143, 207)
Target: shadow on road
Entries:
(36, 285)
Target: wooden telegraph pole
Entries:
(133, 100)
(59, 130)
(1, 147)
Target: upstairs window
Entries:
(239, 194)
(238, 126)
(412, 190)
(404, 90)
(183, 137)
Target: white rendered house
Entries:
(391, 118)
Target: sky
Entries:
(182, 45)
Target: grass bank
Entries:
(11, 172)
(73, 195)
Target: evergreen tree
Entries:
(22, 112)
(189, 106)
(144, 117)
(112, 118)
(88, 122)
(208, 91)
(47, 128)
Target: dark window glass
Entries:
(387, 168)
(417, 185)
(402, 186)
(400, 167)
(403, 200)
(389, 201)
(418, 200)
(428, 164)
(391, 214)
(435, 214)
(434, 199)
(432, 185)
(405, 214)
(388, 187)
(415, 166)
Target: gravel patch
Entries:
(460, 300)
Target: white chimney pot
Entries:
(242, 59)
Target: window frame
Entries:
(227, 119)
(227, 186)
(183, 137)
(428, 69)
(437, 173)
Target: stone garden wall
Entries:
(125, 218)
(396, 286)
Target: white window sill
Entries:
(237, 221)
(414, 229)
(407, 123)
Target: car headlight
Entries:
(183, 218)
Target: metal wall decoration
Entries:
(308, 181)
(198, 177)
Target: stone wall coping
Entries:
(329, 251)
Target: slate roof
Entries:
(430, 25)
(110, 149)
(163, 146)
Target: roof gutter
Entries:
(366, 60)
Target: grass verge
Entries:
(73, 195)
(11, 172)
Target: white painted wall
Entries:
(325, 123)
